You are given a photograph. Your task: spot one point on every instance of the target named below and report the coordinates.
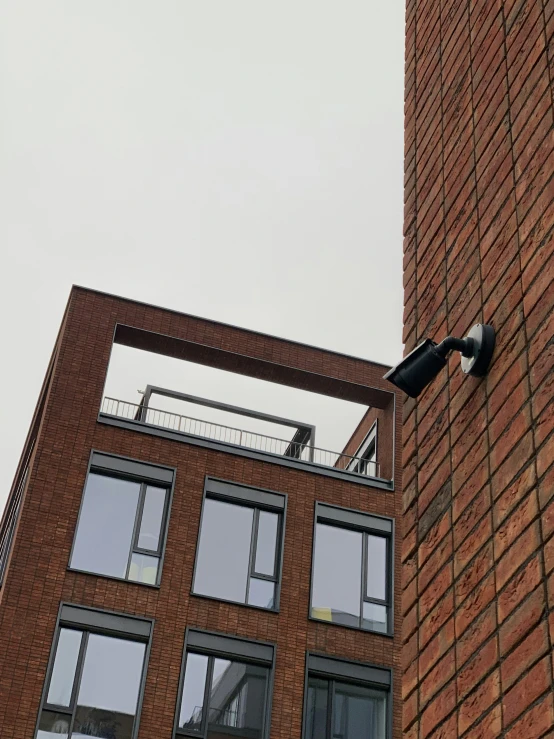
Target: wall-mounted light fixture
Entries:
(424, 363)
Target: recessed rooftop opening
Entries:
(132, 371)
(205, 392)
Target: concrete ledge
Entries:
(220, 446)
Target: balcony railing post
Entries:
(311, 442)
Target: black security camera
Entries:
(424, 363)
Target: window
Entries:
(224, 689)
(239, 546)
(346, 700)
(365, 461)
(123, 518)
(95, 677)
(351, 581)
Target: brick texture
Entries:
(37, 578)
(478, 455)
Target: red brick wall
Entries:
(38, 579)
(478, 555)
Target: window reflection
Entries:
(194, 687)
(361, 712)
(266, 543)
(144, 568)
(337, 575)
(152, 518)
(236, 698)
(120, 529)
(237, 554)
(261, 593)
(316, 709)
(109, 689)
(376, 567)
(108, 671)
(350, 571)
(106, 523)
(353, 712)
(224, 550)
(65, 664)
(53, 725)
(375, 617)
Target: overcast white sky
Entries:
(236, 160)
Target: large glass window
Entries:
(94, 685)
(238, 556)
(224, 695)
(121, 526)
(352, 569)
(338, 710)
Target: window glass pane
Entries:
(339, 716)
(375, 617)
(65, 663)
(109, 689)
(369, 454)
(105, 529)
(337, 575)
(359, 712)
(222, 567)
(377, 567)
(237, 700)
(53, 725)
(261, 593)
(316, 709)
(368, 466)
(152, 517)
(144, 568)
(268, 524)
(194, 686)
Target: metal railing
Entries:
(238, 437)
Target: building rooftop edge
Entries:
(229, 325)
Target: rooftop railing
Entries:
(238, 437)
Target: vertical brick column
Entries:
(478, 549)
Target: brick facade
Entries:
(67, 429)
(478, 554)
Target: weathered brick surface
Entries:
(37, 579)
(479, 229)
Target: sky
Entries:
(240, 161)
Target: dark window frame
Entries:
(145, 473)
(91, 620)
(347, 672)
(361, 455)
(368, 524)
(258, 499)
(216, 645)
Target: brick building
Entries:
(165, 579)
(478, 555)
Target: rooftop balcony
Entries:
(300, 447)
